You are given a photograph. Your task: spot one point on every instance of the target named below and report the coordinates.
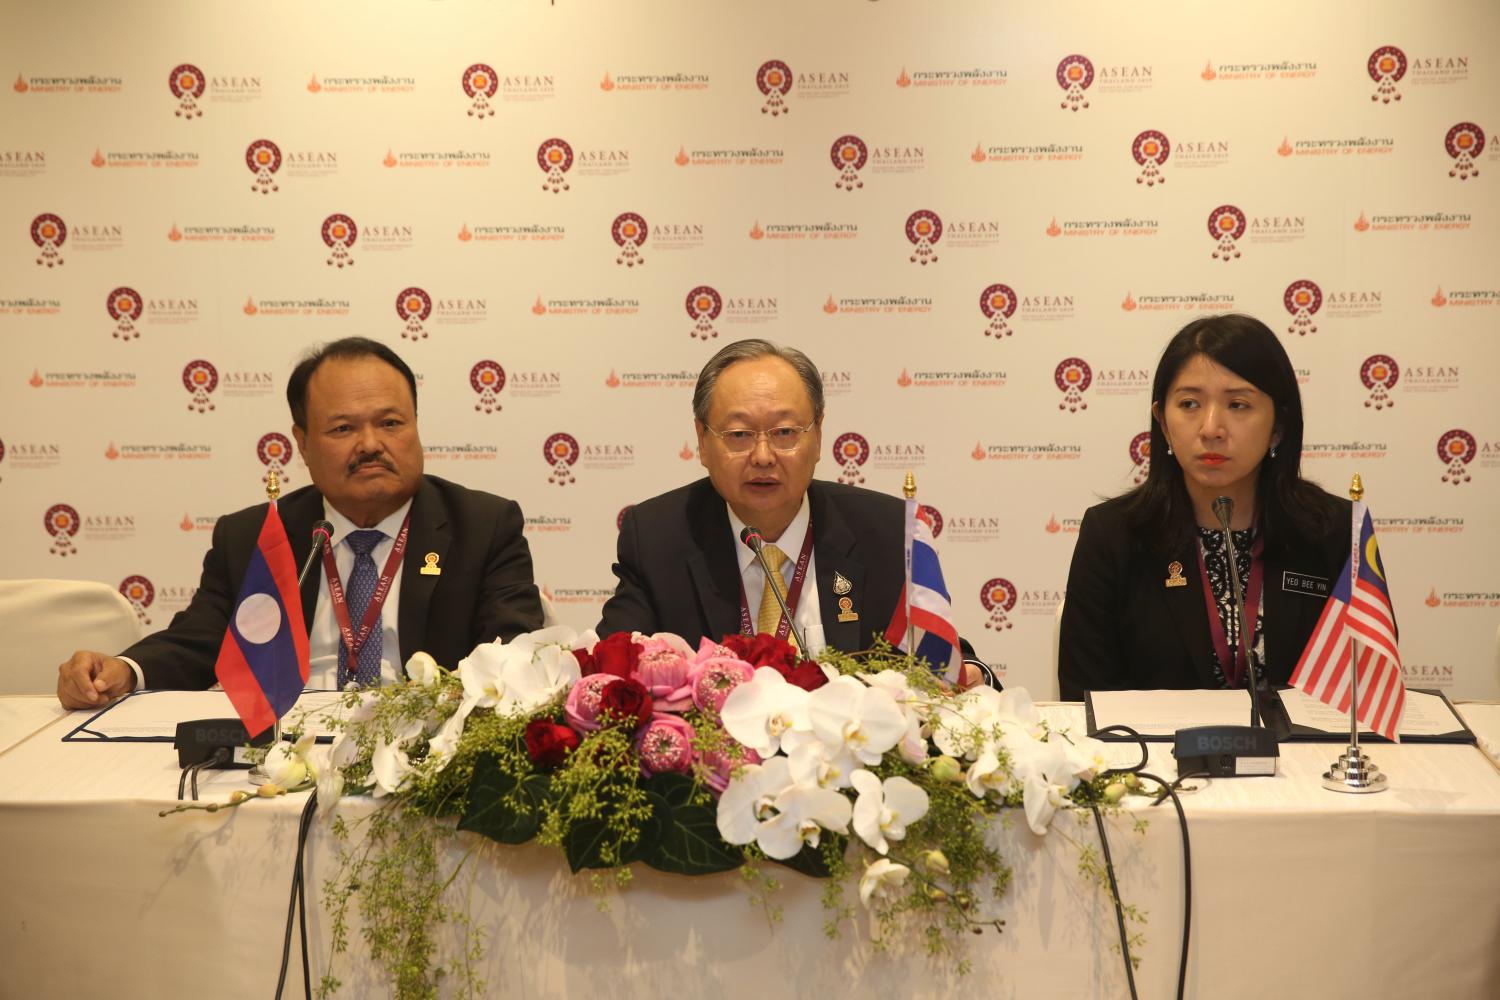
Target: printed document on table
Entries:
(154, 715)
(1426, 714)
(1162, 713)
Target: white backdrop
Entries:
(178, 165)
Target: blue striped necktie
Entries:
(358, 590)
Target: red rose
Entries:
(627, 702)
(763, 650)
(615, 655)
(806, 675)
(547, 743)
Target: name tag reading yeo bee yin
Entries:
(1305, 583)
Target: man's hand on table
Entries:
(93, 680)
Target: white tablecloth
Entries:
(1297, 892)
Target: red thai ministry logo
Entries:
(1386, 67)
(774, 80)
(629, 231)
(1226, 224)
(62, 524)
(1073, 377)
(998, 596)
(561, 451)
(704, 305)
(1302, 299)
(200, 379)
(1464, 142)
(555, 157)
(851, 451)
(1140, 456)
(1457, 449)
(49, 233)
(187, 83)
(1380, 374)
(998, 303)
(274, 451)
(480, 84)
(487, 378)
(263, 158)
(139, 592)
(413, 305)
(849, 155)
(125, 306)
(1075, 74)
(339, 233)
(1151, 150)
(924, 229)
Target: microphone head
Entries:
(1223, 504)
(750, 536)
(323, 528)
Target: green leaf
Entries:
(490, 813)
(687, 841)
(582, 845)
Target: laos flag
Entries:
(263, 660)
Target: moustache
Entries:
(360, 461)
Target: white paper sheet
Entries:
(1426, 714)
(155, 714)
(1162, 713)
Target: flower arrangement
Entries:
(865, 770)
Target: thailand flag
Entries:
(263, 661)
(925, 603)
(1357, 625)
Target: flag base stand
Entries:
(1353, 772)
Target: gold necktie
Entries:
(769, 615)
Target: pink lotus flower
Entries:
(665, 744)
(582, 706)
(718, 766)
(663, 669)
(711, 681)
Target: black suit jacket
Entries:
(678, 568)
(485, 588)
(1124, 629)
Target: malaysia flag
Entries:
(1357, 625)
(925, 603)
(263, 661)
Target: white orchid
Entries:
(517, 676)
(759, 712)
(847, 713)
(1087, 756)
(914, 707)
(881, 878)
(986, 778)
(766, 806)
(814, 761)
(883, 811)
(1049, 778)
(422, 669)
(328, 765)
(563, 636)
(287, 765)
(444, 742)
(391, 763)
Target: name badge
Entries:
(1304, 583)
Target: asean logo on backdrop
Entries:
(849, 155)
(274, 451)
(1464, 142)
(62, 523)
(339, 233)
(139, 592)
(1303, 299)
(487, 378)
(998, 303)
(923, 230)
(851, 450)
(704, 305)
(413, 305)
(1457, 449)
(774, 80)
(555, 157)
(125, 305)
(263, 157)
(1073, 377)
(998, 596)
(200, 378)
(1151, 150)
(1226, 224)
(480, 84)
(1075, 74)
(1140, 456)
(49, 233)
(187, 83)
(1380, 374)
(561, 452)
(935, 518)
(1386, 66)
(629, 231)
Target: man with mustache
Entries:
(464, 577)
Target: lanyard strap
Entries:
(1234, 671)
(353, 641)
(783, 627)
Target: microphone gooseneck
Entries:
(1223, 509)
(752, 539)
(322, 534)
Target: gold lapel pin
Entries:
(430, 565)
(841, 584)
(846, 610)
(1175, 577)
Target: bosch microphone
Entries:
(322, 534)
(751, 537)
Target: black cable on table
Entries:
(298, 899)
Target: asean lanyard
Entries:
(799, 575)
(354, 642)
(1235, 672)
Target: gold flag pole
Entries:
(1353, 771)
(909, 490)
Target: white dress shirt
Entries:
(808, 613)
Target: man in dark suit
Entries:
(839, 550)
(464, 578)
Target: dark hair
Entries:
(749, 350)
(1289, 507)
(347, 349)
